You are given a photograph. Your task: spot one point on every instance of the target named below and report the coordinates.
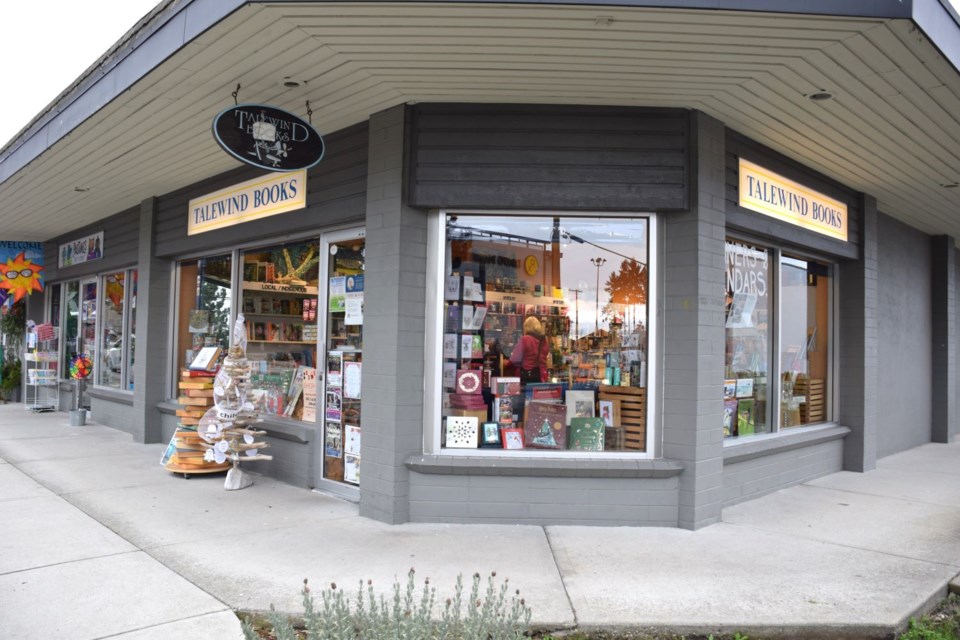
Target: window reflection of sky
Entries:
(618, 240)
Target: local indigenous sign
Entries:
(766, 192)
(250, 200)
(268, 137)
(20, 267)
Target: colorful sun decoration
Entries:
(81, 367)
(20, 276)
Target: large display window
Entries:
(203, 307)
(545, 334)
(117, 330)
(95, 316)
(778, 340)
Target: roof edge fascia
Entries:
(175, 23)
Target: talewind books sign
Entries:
(765, 192)
(258, 198)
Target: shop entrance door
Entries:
(339, 423)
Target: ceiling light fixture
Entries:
(292, 83)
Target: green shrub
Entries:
(490, 615)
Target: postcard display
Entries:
(280, 303)
(344, 362)
(484, 403)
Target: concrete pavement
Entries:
(98, 541)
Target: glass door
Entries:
(88, 331)
(341, 316)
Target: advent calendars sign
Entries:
(268, 137)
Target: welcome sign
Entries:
(250, 200)
(766, 192)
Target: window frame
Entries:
(776, 253)
(99, 279)
(433, 337)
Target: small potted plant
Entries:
(10, 380)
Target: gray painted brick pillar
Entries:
(693, 332)
(152, 351)
(944, 298)
(393, 332)
(859, 343)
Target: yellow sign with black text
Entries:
(258, 198)
(766, 192)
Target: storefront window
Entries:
(71, 325)
(111, 331)
(748, 340)
(279, 302)
(804, 340)
(56, 291)
(545, 332)
(344, 340)
(204, 307)
(751, 406)
(131, 327)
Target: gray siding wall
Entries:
(692, 325)
(394, 324)
(859, 347)
(121, 241)
(543, 501)
(905, 336)
(956, 421)
(118, 415)
(537, 157)
(336, 194)
(767, 228)
(758, 476)
(944, 318)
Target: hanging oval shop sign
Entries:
(268, 137)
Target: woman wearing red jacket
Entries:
(530, 353)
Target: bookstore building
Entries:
(516, 312)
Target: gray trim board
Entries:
(785, 441)
(543, 468)
(111, 395)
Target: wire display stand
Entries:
(42, 384)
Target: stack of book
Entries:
(185, 452)
(467, 401)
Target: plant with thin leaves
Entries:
(404, 616)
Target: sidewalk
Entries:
(98, 541)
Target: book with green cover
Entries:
(746, 420)
(586, 434)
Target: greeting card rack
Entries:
(42, 388)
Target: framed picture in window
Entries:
(580, 404)
(490, 435)
(512, 438)
(610, 412)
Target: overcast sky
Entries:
(47, 44)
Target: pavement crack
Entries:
(563, 582)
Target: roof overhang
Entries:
(137, 124)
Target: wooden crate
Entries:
(813, 410)
(633, 414)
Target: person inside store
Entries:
(530, 353)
